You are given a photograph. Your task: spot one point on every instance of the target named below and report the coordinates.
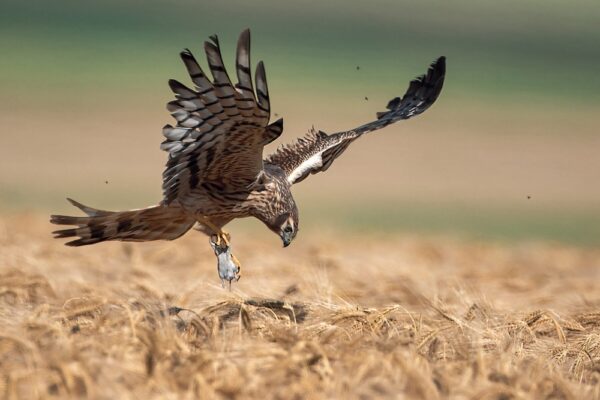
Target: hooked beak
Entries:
(286, 238)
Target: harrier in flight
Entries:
(216, 172)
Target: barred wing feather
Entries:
(221, 127)
(316, 152)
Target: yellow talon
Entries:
(222, 236)
(239, 266)
(225, 237)
(219, 233)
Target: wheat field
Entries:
(334, 316)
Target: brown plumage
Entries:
(215, 170)
(152, 223)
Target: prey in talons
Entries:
(228, 266)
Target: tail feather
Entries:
(92, 212)
(152, 223)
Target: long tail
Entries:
(152, 223)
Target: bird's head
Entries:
(276, 208)
(286, 226)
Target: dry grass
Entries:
(330, 317)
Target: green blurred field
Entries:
(84, 88)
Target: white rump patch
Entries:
(315, 161)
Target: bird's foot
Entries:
(222, 238)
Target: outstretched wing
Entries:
(316, 151)
(221, 128)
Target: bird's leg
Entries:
(221, 235)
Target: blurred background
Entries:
(510, 151)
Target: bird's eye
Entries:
(287, 229)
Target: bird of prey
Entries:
(216, 171)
